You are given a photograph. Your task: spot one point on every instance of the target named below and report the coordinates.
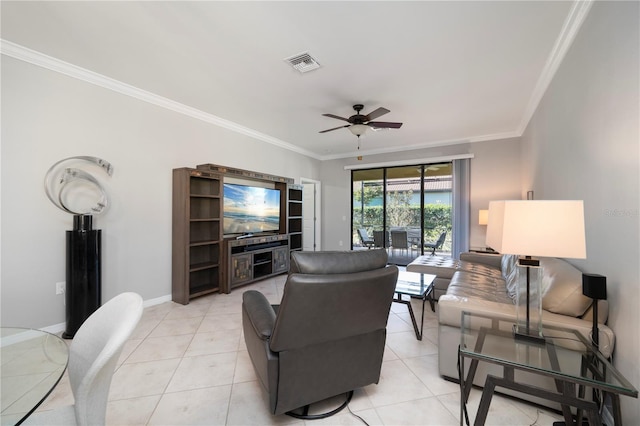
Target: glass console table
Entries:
(565, 356)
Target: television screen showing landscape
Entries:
(250, 209)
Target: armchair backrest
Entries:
(333, 295)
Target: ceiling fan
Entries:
(358, 123)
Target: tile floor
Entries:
(188, 365)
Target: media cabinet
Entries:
(203, 260)
(252, 259)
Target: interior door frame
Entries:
(317, 213)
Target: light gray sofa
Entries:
(485, 284)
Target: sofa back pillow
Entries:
(509, 266)
(562, 288)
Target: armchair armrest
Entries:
(259, 312)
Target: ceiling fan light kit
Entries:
(360, 123)
(358, 129)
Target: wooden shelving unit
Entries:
(203, 260)
(294, 216)
(197, 234)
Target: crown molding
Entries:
(578, 13)
(430, 160)
(33, 57)
(435, 144)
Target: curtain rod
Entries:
(408, 162)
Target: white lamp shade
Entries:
(543, 228)
(483, 217)
(358, 129)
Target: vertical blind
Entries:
(461, 194)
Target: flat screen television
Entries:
(250, 209)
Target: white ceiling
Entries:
(451, 71)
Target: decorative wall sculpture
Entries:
(76, 191)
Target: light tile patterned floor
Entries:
(188, 365)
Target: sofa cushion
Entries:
(445, 267)
(562, 288)
(442, 266)
(477, 286)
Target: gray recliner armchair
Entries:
(327, 336)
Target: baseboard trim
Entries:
(59, 328)
(157, 301)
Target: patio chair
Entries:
(365, 239)
(438, 244)
(399, 240)
(381, 239)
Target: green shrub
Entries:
(437, 219)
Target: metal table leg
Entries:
(399, 299)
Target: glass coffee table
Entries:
(414, 284)
(565, 356)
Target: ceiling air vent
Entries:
(303, 62)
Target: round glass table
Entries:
(33, 363)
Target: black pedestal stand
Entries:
(83, 293)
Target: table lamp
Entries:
(483, 217)
(541, 228)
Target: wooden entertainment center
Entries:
(203, 259)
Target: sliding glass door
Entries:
(367, 208)
(403, 209)
(438, 207)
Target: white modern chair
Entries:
(93, 356)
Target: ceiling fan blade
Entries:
(338, 117)
(376, 113)
(335, 128)
(384, 125)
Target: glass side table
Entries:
(489, 338)
(414, 284)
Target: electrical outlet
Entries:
(60, 287)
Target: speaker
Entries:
(594, 286)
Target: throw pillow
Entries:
(562, 288)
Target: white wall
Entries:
(46, 117)
(495, 174)
(583, 143)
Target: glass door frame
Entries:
(384, 176)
